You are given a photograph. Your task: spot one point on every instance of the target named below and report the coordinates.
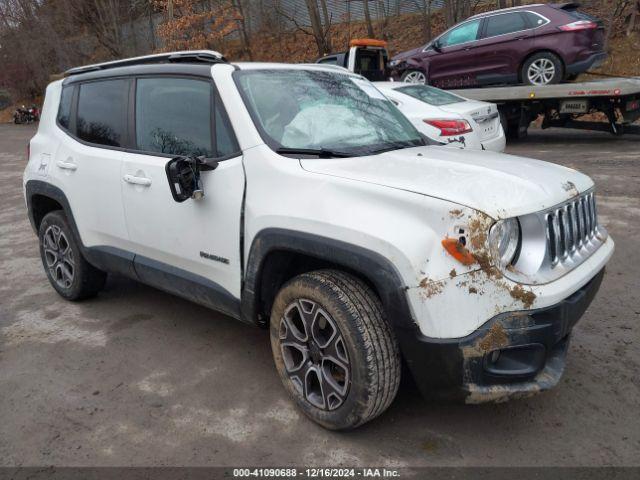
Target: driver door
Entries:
(455, 64)
(190, 248)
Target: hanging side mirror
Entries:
(183, 174)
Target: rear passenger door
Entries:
(192, 248)
(506, 40)
(87, 165)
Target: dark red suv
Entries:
(533, 44)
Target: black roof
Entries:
(194, 62)
(179, 69)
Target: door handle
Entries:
(66, 165)
(145, 182)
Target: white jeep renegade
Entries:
(298, 198)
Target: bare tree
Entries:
(317, 30)
(367, 18)
(382, 15)
(242, 28)
(616, 10)
(102, 19)
(632, 18)
(456, 11)
(425, 12)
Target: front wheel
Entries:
(543, 68)
(333, 348)
(414, 76)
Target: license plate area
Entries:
(574, 106)
(632, 105)
(486, 125)
(487, 129)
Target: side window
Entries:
(102, 112)
(505, 23)
(173, 116)
(64, 110)
(467, 32)
(329, 61)
(535, 20)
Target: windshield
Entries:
(430, 95)
(321, 110)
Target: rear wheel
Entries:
(414, 76)
(68, 272)
(543, 68)
(334, 349)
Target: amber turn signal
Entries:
(457, 250)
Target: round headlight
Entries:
(393, 63)
(504, 238)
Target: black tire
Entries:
(68, 271)
(409, 74)
(544, 57)
(370, 354)
(515, 131)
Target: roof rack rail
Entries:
(502, 10)
(204, 56)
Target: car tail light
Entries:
(579, 25)
(450, 127)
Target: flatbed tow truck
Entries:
(560, 105)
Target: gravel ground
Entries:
(138, 377)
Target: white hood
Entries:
(499, 185)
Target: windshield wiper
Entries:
(320, 152)
(398, 146)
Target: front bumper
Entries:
(513, 355)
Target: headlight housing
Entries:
(394, 63)
(504, 240)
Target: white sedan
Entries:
(446, 117)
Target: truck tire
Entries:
(68, 271)
(334, 349)
(414, 76)
(542, 68)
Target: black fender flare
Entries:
(39, 187)
(103, 258)
(380, 271)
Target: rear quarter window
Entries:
(534, 20)
(64, 109)
(102, 112)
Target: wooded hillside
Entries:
(39, 38)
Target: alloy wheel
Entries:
(58, 256)
(541, 71)
(415, 77)
(314, 354)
